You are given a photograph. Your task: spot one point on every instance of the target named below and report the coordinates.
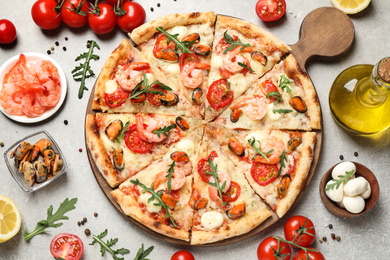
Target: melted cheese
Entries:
(173, 69)
(224, 164)
(258, 135)
(110, 87)
(211, 220)
(187, 146)
(150, 207)
(180, 30)
(150, 78)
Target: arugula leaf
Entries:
(122, 133)
(283, 83)
(242, 64)
(283, 158)
(337, 182)
(156, 196)
(184, 46)
(66, 205)
(170, 172)
(232, 43)
(107, 246)
(258, 149)
(280, 111)
(164, 130)
(84, 71)
(276, 95)
(141, 254)
(216, 179)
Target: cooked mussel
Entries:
(182, 123)
(21, 151)
(118, 161)
(236, 211)
(49, 156)
(298, 104)
(36, 151)
(42, 144)
(167, 55)
(293, 143)
(235, 146)
(197, 96)
(113, 129)
(200, 203)
(139, 99)
(195, 37)
(168, 199)
(26, 158)
(283, 186)
(41, 170)
(180, 157)
(235, 115)
(259, 57)
(169, 99)
(29, 173)
(57, 165)
(203, 50)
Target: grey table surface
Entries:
(364, 237)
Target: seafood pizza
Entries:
(204, 126)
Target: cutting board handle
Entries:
(325, 32)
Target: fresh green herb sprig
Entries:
(156, 196)
(283, 159)
(337, 182)
(84, 71)
(106, 246)
(284, 82)
(66, 205)
(282, 111)
(216, 179)
(164, 130)
(242, 64)
(296, 245)
(122, 132)
(184, 46)
(170, 172)
(276, 95)
(142, 254)
(232, 43)
(252, 142)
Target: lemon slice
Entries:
(10, 219)
(351, 6)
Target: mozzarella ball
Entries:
(356, 186)
(341, 169)
(335, 195)
(211, 220)
(354, 204)
(367, 193)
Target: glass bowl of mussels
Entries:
(35, 161)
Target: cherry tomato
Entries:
(134, 142)
(182, 255)
(46, 14)
(187, 58)
(7, 31)
(74, 13)
(135, 16)
(155, 99)
(102, 19)
(270, 10)
(301, 255)
(204, 166)
(264, 174)
(117, 98)
(269, 250)
(268, 87)
(219, 94)
(233, 193)
(300, 228)
(67, 246)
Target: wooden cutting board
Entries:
(325, 33)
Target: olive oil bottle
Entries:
(359, 100)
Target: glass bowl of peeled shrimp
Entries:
(32, 87)
(35, 161)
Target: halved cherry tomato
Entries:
(219, 95)
(271, 249)
(102, 19)
(302, 229)
(264, 174)
(270, 10)
(117, 98)
(46, 14)
(232, 193)
(186, 58)
(74, 13)
(67, 246)
(155, 99)
(291, 167)
(204, 166)
(301, 255)
(222, 45)
(134, 142)
(268, 87)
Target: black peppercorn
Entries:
(356, 154)
(48, 52)
(57, 43)
(85, 219)
(151, 9)
(64, 48)
(158, 5)
(324, 238)
(333, 236)
(330, 226)
(341, 157)
(87, 232)
(79, 223)
(66, 38)
(66, 122)
(95, 214)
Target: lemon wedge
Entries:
(10, 219)
(351, 6)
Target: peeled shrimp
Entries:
(231, 60)
(131, 76)
(178, 176)
(254, 108)
(7, 100)
(213, 191)
(191, 74)
(50, 95)
(147, 133)
(271, 143)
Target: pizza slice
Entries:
(178, 46)
(276, 163)
(158, 196)
(127, 84)
(123, 144)
(284, 98)
(224, 204)
(242, 52)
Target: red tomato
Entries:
(67, 246)
(233, 193)
(269, 250)
(46, 14)
(264, 174)
(155, 99)
(7, 31)
(135, 16)
(74, 13)
(270, 10)
(102, 20)
(204, 166)
(135, 143)
(268, 87)
(219, 95)
(300, 228)
(301, 255)
(186, 58)
(182, 255)
(117, 98)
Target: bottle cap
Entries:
(384, 70)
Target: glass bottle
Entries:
(365, 109)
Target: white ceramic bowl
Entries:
(33, 57)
